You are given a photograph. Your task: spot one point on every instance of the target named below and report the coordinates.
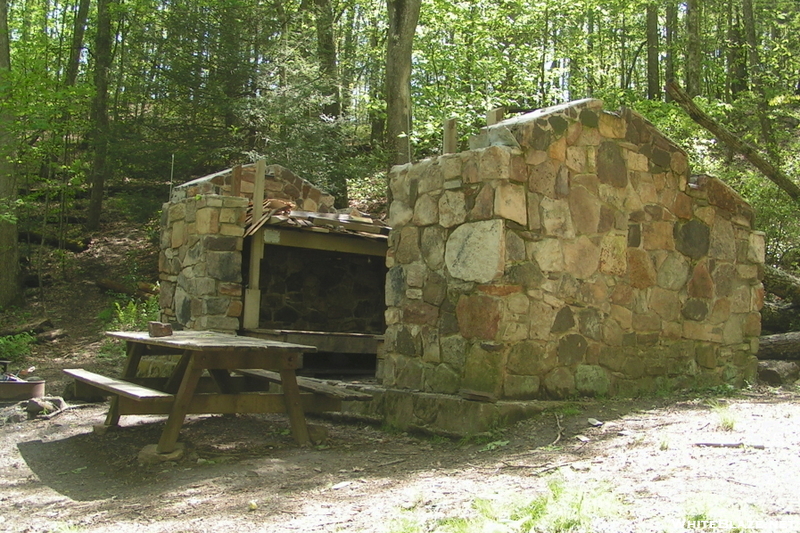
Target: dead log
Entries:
(48, 336)
(782, 346)
(769, 170)
(781, 283)
(37, 326)
(121, 288)
(779, 318)
(38, 238)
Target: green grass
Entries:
(559, 509)
(726, 420)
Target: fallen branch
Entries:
(781, 283)
(37, 326)
(730, 445)
(769, 170)
(560, 431)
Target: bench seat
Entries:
(309, 384)
(119, 387)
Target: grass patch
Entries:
(560, 509)
(726, 420)
(706, 509)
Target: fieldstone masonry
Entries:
(202, 238)
(200, 263)
(569, 253)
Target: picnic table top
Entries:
(210, 341)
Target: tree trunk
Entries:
(693, 74)
(10, 287)
(326, 53)
(782, 284)
(757, 82)
(78, 29)
(769, 170)
(737, 65)
(653, 74)
(783, 346)
(672, 24)
(403, 18)
(99, 115)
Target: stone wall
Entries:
(279, 183)
(569, 253)
(316, 290)
(200, 265)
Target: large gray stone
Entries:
(560, 383)
(224, 266)
(673, 272)
(476, 251)
(692, 238)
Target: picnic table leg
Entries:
(135, 352)
(169, 437)
(297, 418)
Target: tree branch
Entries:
(769, 170)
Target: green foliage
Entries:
(126, 314)
(16, 347)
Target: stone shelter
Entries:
(568, 252)
(317, 277)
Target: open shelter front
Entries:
(259, 251)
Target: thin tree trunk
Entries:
(653, 73)
(693, 75)
(757, 82)
(672, 24)
(403, 18)
(326, 52)
(78, 30)
(99, 118)
(737, 64)
(10, 288)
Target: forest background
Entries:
(132, 95)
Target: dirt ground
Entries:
(244, 473)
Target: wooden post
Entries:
(450, 144)
(236, 181)
(252, 295)
(495, 115)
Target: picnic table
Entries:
(223, 391)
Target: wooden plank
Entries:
(115, 386)
(495, 115)
(324, 341)
(201, 341)
(236, 181)
(450, 144)
(250, 359)
(252, 403)
(258, 192)
(333, 242)
(310, 384)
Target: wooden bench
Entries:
(119, 387)
(309, 384)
